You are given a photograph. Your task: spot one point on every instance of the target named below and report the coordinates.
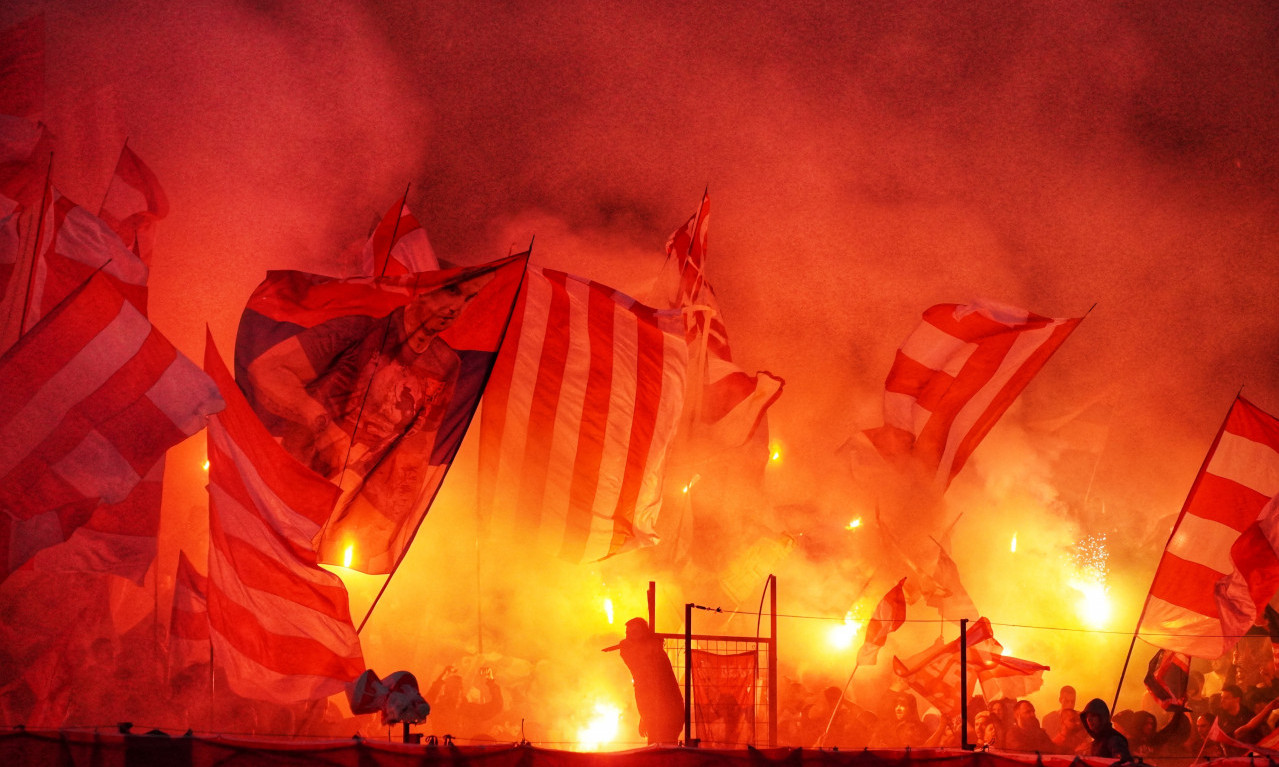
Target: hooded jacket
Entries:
(1107, 742)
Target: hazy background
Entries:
(864, 163)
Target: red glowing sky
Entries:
(864, 161)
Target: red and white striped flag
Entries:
(1220, 569)
(279, 624)
(134, 202)
(74, 244)
(724, 400)
(189, 620)
(25, 150)
(578, 416)
(889, 616)
(398, 245)
(957, 373)
(89, 401)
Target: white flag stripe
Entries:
(240, 523)
(95, 467)
(1024, 345)
(1252, 464)
(261, 683)
(1205, 542)
(173, 395)
(276, 615)
(83, 374)
(936, 349)
(568, 409)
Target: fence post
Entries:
(688, 676)
(963, 684)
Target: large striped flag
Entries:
(25, 151)
(89, 401)
(889, 616)
(133, 203)
(279, 624)
(189, 619)
(583, 404)
(956, 374)
(372, 382)
(74, 244)
(1220, 569)
(398, 245)
(723, 400)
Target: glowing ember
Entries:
(1092, 566)
(608, 609)
(692, 482)
(855, 523)
(346, 556)
(775, 452)
(841, 637)
(206, 464)
(602, 728)
(1014, 546)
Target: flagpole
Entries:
(1190, 494)
(835, 709)
(111, 182)
(35, 253)
(390, 244)
(483, 384)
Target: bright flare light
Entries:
(1014, 546)
(602, 728)
(206, 464)
(841, 637)
(608, 609)
(346, 556)
(856, 523)
(1092, 566)
(775, 452)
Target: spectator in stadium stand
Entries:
(657, 695)
(902, 727)
(1259, 725)
(453, 713)
(1066, 702)
(987, 732)
(1071, 736)
(1232, 713)
(1198, 745)
(1107, 742)
(1002, 710)
(1196, 702)
(1026, 734)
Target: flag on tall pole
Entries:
(889, 616)
(1220, 567)
(189, 619)
(279, 624)
(579, 415)
(398, 245)
(133, 203)
(724, 401)
(955, 375)
(89, 401)
(372, 382)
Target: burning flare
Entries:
(601, 729)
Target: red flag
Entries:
(74, 244)
(189, 621)
(1167, 676)
(724, 399)
(1219, 568)
(89, 401)
(955, 376)
(724, 687)
(889, 616)
(949, 595)
(25, 149)
(279, 624)
(372, 383)
(398, 245)
(579, 415)
(134, 202)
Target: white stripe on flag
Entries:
(1205, 542)
(1252, 464)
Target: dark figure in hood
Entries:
(657, 694)
(1107, 742)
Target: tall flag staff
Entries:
(889, 616)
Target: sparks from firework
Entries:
(1091, 567)
(842, 635)
(601, 729)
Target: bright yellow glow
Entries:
(206, 464)
(601, 729)
(692, 482)
(856, 523)
(346, 556)
(775, 452)
(1092, 565)
(608, 609)
(1014, 546)
(842, 635)
(1093, 606)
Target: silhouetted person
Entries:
(1107, 742)
(657, 695)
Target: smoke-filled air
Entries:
(864, 161)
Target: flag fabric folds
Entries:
(25, 150)
(398, 245)
(723, 399)
(949, 595)
(1220, 567)
(279, 625)
(134, 202)
(579, 415)
(935, 672)
(955, 375)
(889, 616)
(372, 382)
(1167, 676)
(189, 619)
(724, 697)
(90, 399)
